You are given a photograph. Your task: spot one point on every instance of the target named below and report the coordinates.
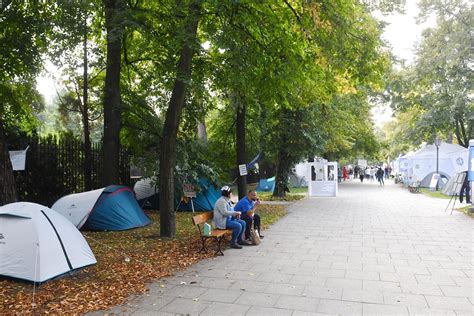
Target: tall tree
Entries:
(24, 26)
(172, 121)
(115, 25)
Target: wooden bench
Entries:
(217, 234)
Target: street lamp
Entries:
(437, 144)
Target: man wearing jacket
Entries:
(226, 218)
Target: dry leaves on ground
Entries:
(126, 262)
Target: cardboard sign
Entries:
(18, 159)
(243, 170)
(188, 190)
(434, 181)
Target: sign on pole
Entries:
(434, 181)
(18, 158)
(188, 190)
(243, 170)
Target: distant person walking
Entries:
(344, 173)
(379, 174)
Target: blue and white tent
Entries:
(38, 244)
(148, 196)
(267, 185)
(110, 208)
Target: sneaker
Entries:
(235, 246)
(244, 243)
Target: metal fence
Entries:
(55, 167)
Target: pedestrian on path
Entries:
(379, 175)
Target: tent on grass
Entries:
(147, 194)
(267, 185)
(110, 208)
(149, 197)
(205, 199)
(38, 244)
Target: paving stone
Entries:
(458, 291)
(220, 295)
(185, 306)
(344, 283)
(308, 304)
(362, 275)
(405, 299)
(283, 288)
(363, 296)
(381, 286)
(378, 309)
(268, 311)
(451, 303)
(340, 307)
(258, 299)
(223, 309)
(322, 292)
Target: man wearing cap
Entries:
(226, 218)
(247, 205)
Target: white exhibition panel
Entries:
(323, 178)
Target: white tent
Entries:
(299, 173)
(77, 207)
(145, 188)
(420, 165)
(38, 244)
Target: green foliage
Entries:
(437, 89)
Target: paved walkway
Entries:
(370, 251)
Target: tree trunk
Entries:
(85, 114)
(240, 144)
(171, 125)
(7, 179)
(282, 171)
(112, 100)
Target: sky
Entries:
(402, 34)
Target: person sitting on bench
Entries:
(247, 206)
(226, 218)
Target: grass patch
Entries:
(465, 210)
(295, 194)
(434, 194)
(126, 262)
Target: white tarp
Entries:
(77, 207)
(38, 244)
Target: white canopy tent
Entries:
(420, 165)
(39, 244)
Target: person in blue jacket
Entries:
(247, 206)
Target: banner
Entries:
(18, 159)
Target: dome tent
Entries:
(148, 196)
(38, 244)
(110, 208)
